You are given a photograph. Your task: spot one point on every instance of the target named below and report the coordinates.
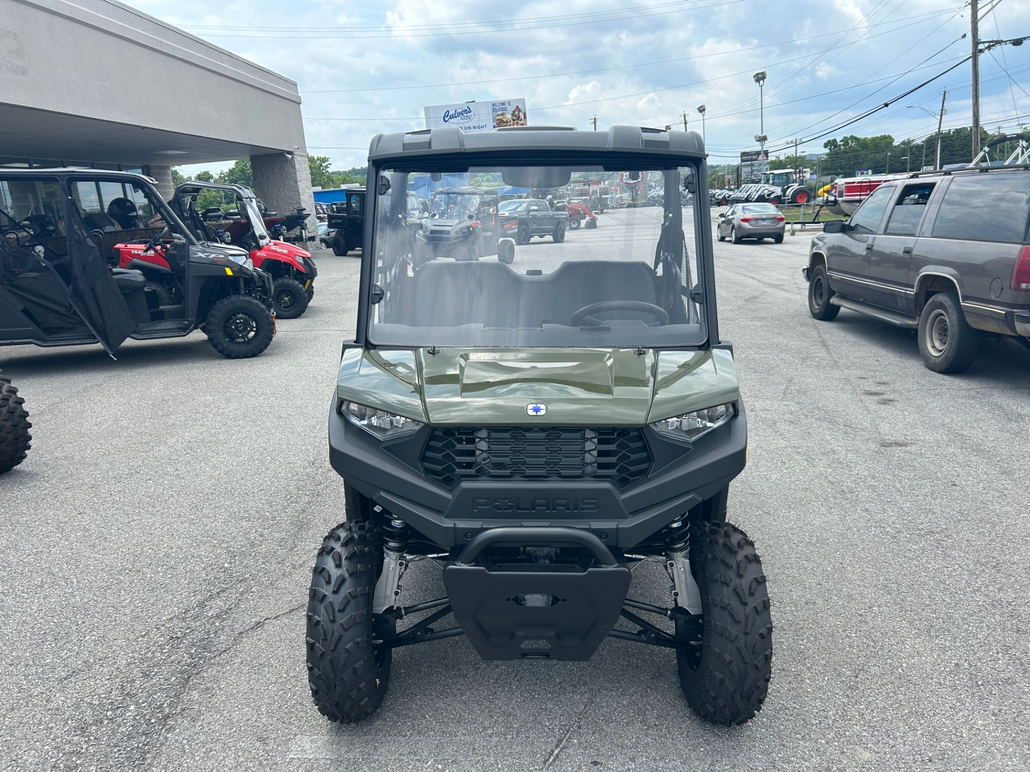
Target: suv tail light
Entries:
(1021, 274)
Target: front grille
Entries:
(530, 453)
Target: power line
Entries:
(783, 127)
(627, 66)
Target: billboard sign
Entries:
(477, 116)
(751, 164)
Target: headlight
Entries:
(690, 426)
(376, 422)
(237, 258)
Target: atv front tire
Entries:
(310, 292)
(239, 327)
(15, 439)
(725, 678)
(289, 298)
(348, 674)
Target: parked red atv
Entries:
(292, 269)
(580, 214)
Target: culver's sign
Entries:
(462, 115)
(477, 116)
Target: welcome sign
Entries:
(477, 116)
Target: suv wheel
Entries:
(340, 245)
(946, 341)
(819, 294)
(725, 662)
(348, 674)
(14, 427)
(239, 327)
(522, 235)
(289, 298)
(558, 236)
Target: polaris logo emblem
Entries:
(535, 505)
(536, 409)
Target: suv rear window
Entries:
(985, 207)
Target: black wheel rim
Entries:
(240, 328)
(818, 292)
(285, 300)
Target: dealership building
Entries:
(98, 84)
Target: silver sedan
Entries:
(751, 221)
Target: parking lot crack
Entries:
(566, 736)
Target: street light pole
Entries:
(908, 164)
(760, 80)
(888, 162)
(701, 109)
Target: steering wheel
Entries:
(584, 314)
(156, 240)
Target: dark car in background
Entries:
(945, 254)
(526, 218)
(347, 221)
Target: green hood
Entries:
(612, 387)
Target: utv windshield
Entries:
(453, 206)
(515, 274)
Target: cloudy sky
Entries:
(365, 68)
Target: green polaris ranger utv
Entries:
(538, 427)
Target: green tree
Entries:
(239, 173)
(321, 177)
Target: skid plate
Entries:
(537, 613)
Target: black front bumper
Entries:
(536, 611)
(390, 474)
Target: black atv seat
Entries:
(129, 279)
(480, 292)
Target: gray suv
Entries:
(942, 253)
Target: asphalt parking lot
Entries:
(156, 547)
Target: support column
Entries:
(283, 182)
(163, 175)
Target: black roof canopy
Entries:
(618, 139)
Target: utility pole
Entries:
(684, 120)
(974, 23)
(595, 123)
(940, 119)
